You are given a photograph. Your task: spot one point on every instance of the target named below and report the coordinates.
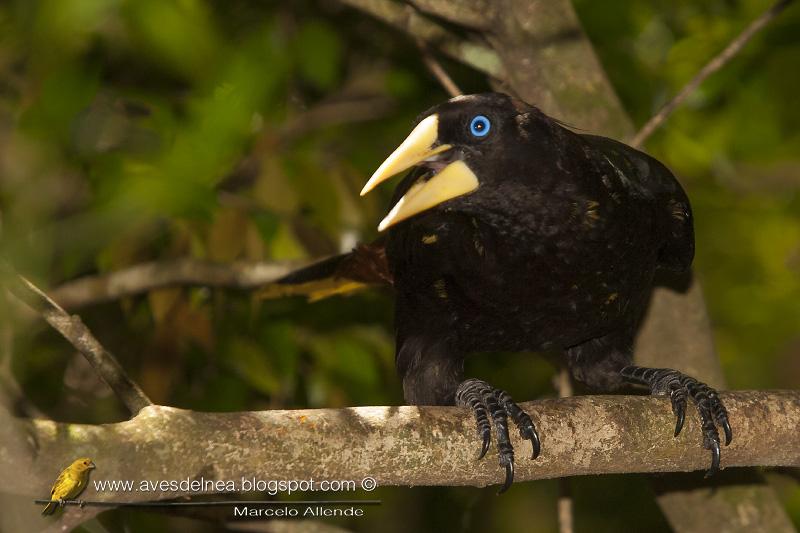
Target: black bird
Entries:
(514, 233)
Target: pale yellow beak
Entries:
(417, 147)
(453, 180)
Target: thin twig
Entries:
(334, 112)
(144, 277)
(711, 67)
(72, 328)
(437, 70)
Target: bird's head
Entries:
(82, 464)
(460, 149)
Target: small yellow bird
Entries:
(70, 483)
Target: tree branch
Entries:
(406, 19)
(719, 61)
(399, 445)
(72, 328)
(437, 70)
(144, 277)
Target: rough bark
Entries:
(395, 445)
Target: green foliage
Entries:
(319, 54)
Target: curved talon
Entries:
(526, 428)
(487, 440)
(714, 447)
(509, 478)
(535, 444)
(681, 417)
(706, 399)
(492, 408)
(726, 427)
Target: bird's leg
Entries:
(81, 504)
(488, 402)
(61, 502)
(433, 374)
(679, 386)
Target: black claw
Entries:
(536, 445)
(726, 427)
(714, 446)
(680, 418)
(493, 407)
(487, 440)
(710, 408)
(527, 430)
(509, 477)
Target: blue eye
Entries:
(480, 126)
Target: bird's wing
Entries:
(79, 482)
(646, 179)
(365, 266)
(61, 485)
(57, 492)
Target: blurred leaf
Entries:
(226, 239)
(252, 365)
(285, 246)
(319, 54)
(273, 189)
(163, 301)
(178, 34)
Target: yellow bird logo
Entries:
(69, 483)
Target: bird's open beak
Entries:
(453, 180)
(92, 466)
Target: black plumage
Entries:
(555, 248)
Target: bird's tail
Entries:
(346, 273)
(50, 508)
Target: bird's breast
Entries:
(513, 287)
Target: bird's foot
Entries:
(61, 502)
(81, 504)
(486, 401)
(712, 412)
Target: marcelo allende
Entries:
(291, 511)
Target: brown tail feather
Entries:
(364, 267)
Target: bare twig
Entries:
(335, 112)
(437, 70)
(144, 277)
(72, 328)
(730, 51)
